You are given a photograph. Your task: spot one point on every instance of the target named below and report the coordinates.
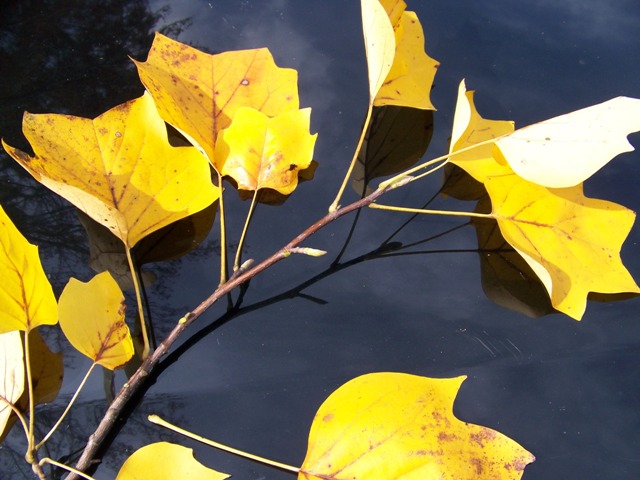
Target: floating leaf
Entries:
(11, 373)
(26, 296)
(166, 461)
(572, 242)
(469, 129)
(199, 93)
(118, 168)
(390, 426)
(564, 151)
(411, 76)
(396, 139)
(262, 152)
(92, 319)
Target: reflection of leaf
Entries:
(166, 461)
(92, 319)
(507, 279)
(397, 138)
(11, 373)
(26, 295)
(199, 93)
(564, 151)
(261, 152)
(118, 168)
(459, 184)
(572, 242)
(469, 128)
(389, 426)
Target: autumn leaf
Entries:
(12, 374)
(469, 129)
(118, 168)
(564, 151)
(572, 242)
(92, 319)
(379, 43)
(26, 296)
(199, 93)
(166, 461)
(262, 152)
(390, 425)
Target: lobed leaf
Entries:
(92, 319)
(199, 93)
(26, 297)
(118, 168)
(261, 152)
(166, 461)
(397, 426)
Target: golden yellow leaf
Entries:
(26, 296)
(469, 128)
(118, 168)
(166, 461)
(11, 374)
(199, 93)
(262, 152)
(566, 150)
(572, 242)
(411, 76)
(386, 426)
(92, 319)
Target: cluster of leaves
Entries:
(240, 114)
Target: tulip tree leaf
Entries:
(12, 374)
(564, 151)
(92, 319)
(26, 296)
(386, 426)
(199, 93)
(262, 152)
(118, 168)
(575, 239)
(166, 461)
(379, 42)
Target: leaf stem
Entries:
(65, 467)
(31, 440)
(18, 414)
(163, 423)
(66, 410)
(430, 212)
(335, 205)
(146, 350)
(223, 234)
(236, 263)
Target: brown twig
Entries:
(136, 381)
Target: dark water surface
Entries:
(568, 391)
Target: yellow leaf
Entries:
(11, 374)
(411, 76)
(469, 129)
(262, 152)
(166, 461)
(572, 242)
(386, 426)
(26, 296)
(92, 319)
(379, 43)
(118, 168)
(564, 151)
(199, 93)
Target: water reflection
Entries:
(566, 391)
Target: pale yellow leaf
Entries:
(11, 374)
(564, 151)
(379, 42)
